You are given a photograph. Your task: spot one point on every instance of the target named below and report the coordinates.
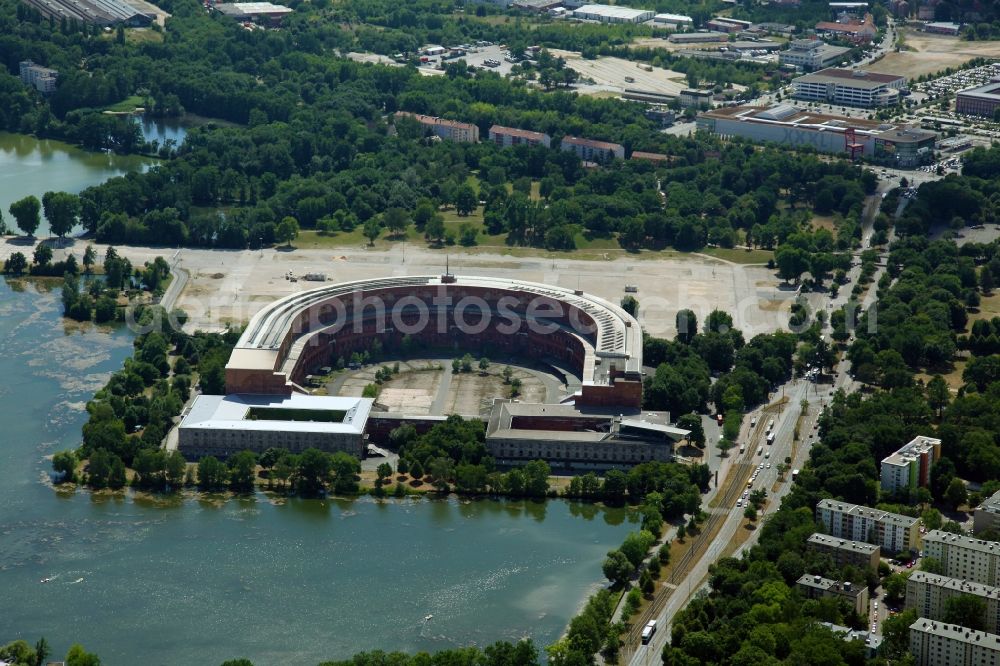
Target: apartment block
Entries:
(449, 130)
(987, 515)
(928, 593)
(592, 151)
(849, 87)
(965, 558)
(890, 531)
(910, 465)
(817, 587)
(845, 551)
(935, 643)
(40, 78)
(512, 136)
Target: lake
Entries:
(191, 580)
(36, 166)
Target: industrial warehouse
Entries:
(93, 12)
(599, 426)
(787, 125)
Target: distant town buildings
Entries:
(448, 130)
(910, 466)
(612, 14)
(811, 54)
(787, 125)
(511, 136)
(817, 587)
(845, 551)
(979, 101)
(935, 643)
(965, 558)
(987, 515)
(854, 30)
(258, 12)
(891, 531)
(93, 12)
(928, 593)
(849, 87)
(590, 150)
(40, 78)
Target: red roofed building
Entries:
(853, 30)
(590, 150)
(449, 130)
(651, 157)
(512, 136)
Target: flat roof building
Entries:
(696, 98)
(679, 20)
(817, 587)
(512, 136)
(987, 515)
(935, 643)
(727, 25)
(649, 157)
(590, 150)
(979, 101)
(40, 78)
(787, 125)
(698, 37)
(849, 87)
(891, 531)
(93, 12)
(943, 28)
(871, 640)
(929, 593)
(222, 426)
(448, 130)
(845, 551)
(854, 30)
(965, 558)
(811, 54)
(909, 467)
(260, 12)
(612, 14)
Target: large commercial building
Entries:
(696, 98)
(909, 467)
(612, 14)
(221, 426)
(817, 587)
(40, 78)
(673, 21)
(448, 130)
(987, 515)
(92, 12)
(849, 87)
(698, 37)
(845, 551)
(727, 25)
(929, 593)
(571, 437)
(511, 136)
(811, 54)
(259, 12)
(935, 643)
(787, 125)
(965, 557)
(943, 28)
(980, 101)
(590, 150)
(891, 531)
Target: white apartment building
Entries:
(910, 465)
(849, 87)
(40, 78)
(891, 531)
(512, 136)
(928, 593)
(935, 643)
(963, 557)
(590, 150)
(811, 54)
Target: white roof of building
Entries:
(991, 504)
(956, 633)
(909, 451)
(612, 11)
(842, 544)
(961, 541)
(229, 412)
(263, 8)
(962, 586)
(867, 512)
(673, 18)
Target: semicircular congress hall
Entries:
(598, 425)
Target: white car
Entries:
(739, 503)
(769, 465)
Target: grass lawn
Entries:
(143, 36)
(127, 105)
(740, 255)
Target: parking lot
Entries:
(477, 56)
